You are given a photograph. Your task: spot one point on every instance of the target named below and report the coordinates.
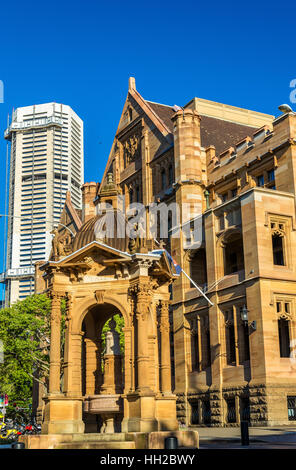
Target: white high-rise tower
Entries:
(46, 161)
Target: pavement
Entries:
(277, 437)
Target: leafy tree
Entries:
(25, 333)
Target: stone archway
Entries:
(103, 371)
(97, 282)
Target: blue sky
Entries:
(81, 53)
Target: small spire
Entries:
(132, 83)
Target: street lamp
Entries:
(244, 318)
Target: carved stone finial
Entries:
(132, 83)
(109, 178)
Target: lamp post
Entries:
(245, 317)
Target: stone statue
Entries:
(59, 244)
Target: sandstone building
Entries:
(235, 169)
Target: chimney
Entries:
(88, 195)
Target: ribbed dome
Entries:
(108, 228)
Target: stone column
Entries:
(235, 326)
(128, 360)
(55, 344)
(76, 346)
(165, 363)
(143, 301)
(67, 348)
(91, 365)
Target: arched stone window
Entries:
(278, 248)
(230, 337)
(200, 343)
(232, 256)
(284, 337)
(280, 228)
(236, 347)
(198, 267)
(284, 308)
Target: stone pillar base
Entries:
(139, 413)
(166, 413)
(149, 413)
(62, 415)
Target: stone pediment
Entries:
(99, 260)
(97, 248)
(92, 260)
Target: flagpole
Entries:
(197, 287)
(188, 277)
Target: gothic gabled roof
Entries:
(217, 131)
(213, 131)
(70, 215)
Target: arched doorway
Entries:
(102, 368)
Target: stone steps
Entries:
(95, 437)
(103, 444)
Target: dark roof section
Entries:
(164, 112)
(222, 134)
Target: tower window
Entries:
(270, 176)
(284, 337)
(260, 180)
(278, 250)
(234, 192)
(231, 345)
(233, 254)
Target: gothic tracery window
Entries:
(284, 319)
(279, 242)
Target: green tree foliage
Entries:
(25, 333)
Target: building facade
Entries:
(46, 162)
(233, 171)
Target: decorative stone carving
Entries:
(61, 244)
(99, 295)
(131, 148)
